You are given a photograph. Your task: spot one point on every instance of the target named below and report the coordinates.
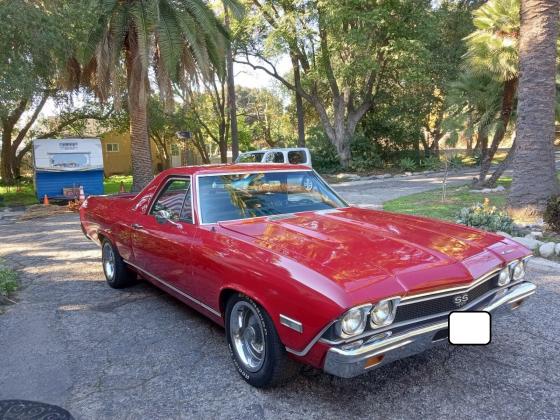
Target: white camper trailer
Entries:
(62, 165)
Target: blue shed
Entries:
(62, 166)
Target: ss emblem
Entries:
(461, 300)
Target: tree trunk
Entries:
(534, 176)
(508, 97)
(341, 138)
(232, 102)
(138, 91)
(6, 157)
(299, 103)
(492, 181)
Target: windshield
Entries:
(242, 196)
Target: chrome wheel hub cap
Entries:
(247, 336)
(108, 257)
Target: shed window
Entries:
(112, 147)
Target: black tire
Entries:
(276, 368)
(120, 276)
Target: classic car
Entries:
(294, 273)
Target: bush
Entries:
(431, 163)
(455, 161)
(551, 214)
(364, 154)
(8, 281)
(487, 217)
(407, 164)
(323, 153)
(361, 164)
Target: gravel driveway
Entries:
(138, 353)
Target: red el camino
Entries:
(294, 273)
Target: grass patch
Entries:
(8, 280)
(11, 196)
(113, 183)
(430, 204)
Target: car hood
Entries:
(360, 248)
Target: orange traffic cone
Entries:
(46, 200)
(122, 189)
(82, 194)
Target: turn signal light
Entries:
(375, 360)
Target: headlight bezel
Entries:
(363, 310)
(513, 266)
(507, 273)
(393, 304)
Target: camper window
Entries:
(112, 147)
(68, 160)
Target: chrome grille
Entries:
(443, 304)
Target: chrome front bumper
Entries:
(378, 351)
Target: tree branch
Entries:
(23, 132)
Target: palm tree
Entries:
(174, 37)
(492, 50)
(534, 178)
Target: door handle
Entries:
(136, 226)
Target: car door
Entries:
(163, 250)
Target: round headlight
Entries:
(504, 277)
(519, 271)
(353, 322)
(382, 313)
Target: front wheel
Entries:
(254, 345)
(117, 274)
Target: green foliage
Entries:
(551, 214)
(487, 217)
(8, 280)
(364, 154)
(112, 184)
(177, 38)
(431, 163)
(17, 195)
(493, 46)
(455, 162)
(430, 204)
(323, 153)
(407, 164)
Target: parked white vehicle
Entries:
(293, 155)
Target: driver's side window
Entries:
(175, 198)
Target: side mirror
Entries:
(163, 216)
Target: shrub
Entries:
(364, 154)
(487, 217)
(407, 164)
(362, 164)
(551, 214)
(8, 281)
(323, 153)
(431, 163)
(455, 161)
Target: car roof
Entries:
(233, 168)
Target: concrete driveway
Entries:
(373, 193)
(138, 353)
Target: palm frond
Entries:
(144, 14)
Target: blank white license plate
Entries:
(470, 328)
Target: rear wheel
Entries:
(117, 274)
(254, 345)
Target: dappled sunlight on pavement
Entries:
(138, 353)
